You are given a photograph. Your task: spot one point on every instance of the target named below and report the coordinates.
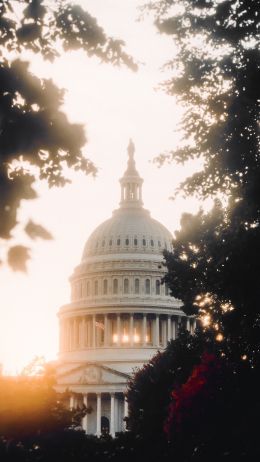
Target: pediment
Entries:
(91, 374)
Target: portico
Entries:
(110, 411)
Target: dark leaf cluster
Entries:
(150, 389)
(213, 416)
(214, 267)
(37, 140)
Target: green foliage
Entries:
(36, 139)
(215, 267)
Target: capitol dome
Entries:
(120, 313)
(129, 230)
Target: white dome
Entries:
(128, 230)
(120, 313)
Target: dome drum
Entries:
(120, 329)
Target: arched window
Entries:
(126, 286)
(157, 287)
(127, 241)
(118, 241)
(135, 241)
(96, 288)
(147, 286)
(115, 286)
(152, 243)
(105, 286)
(137, 286)
(144, 242)
(110, 242)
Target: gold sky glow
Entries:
(114, 105)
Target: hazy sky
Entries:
(113, 104)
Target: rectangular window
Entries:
(147, 286)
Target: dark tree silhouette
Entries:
(214, 414)
(29, 406)
(215, 267)
(149, 391)
(36, 138)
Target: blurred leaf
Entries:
(17, 257)
(35, 231)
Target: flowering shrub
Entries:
(188, 401)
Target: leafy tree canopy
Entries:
(29, 405)
(36, 138)
(149, 391)
(214, 414)
(215, 267)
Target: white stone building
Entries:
(120, 314)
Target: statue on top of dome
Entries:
(131, 149)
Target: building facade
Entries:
(120, 314)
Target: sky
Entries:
(113, 104)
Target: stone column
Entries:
(75, 333)
(157, 338)
(70, 335)
(164, 333)
(125, 410)
(178, 325)
(131, 329)
(112, 415)
(85, 418)
(105, 330)
(144, 329)
(94, 331)
(80, 332)
(169, 333)
(193, 326)
(98, 433)
(64, 335)
(188, 324)
(72, 401)
(117, 424)
(84, 332)
(174, 329)
(89, 331)
(118, 328)
(135, 191)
